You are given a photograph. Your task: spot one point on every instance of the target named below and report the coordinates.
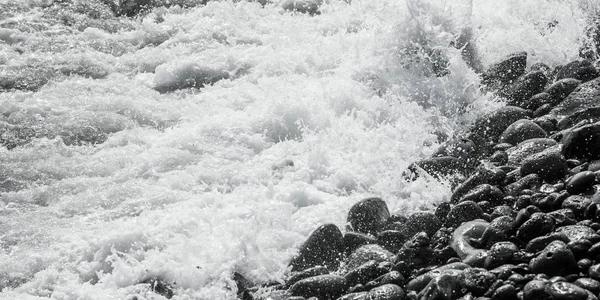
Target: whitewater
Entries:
(113, 170)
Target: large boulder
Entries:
(368, 215)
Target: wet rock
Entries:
(577, 204)
(531, 181)
(421, 281)
(461, 148)
(591, 115)
(446, 286)
(524, 88)
(524, 149)
(502, 210)
(323, 247)
(549, 164)
(391, 240)
(476, 280)
(484, 192)
(484, 174)
(422, 221)
(438, 166)
(560, 89)
(580, 182)
(489, 126)
(579, 69)
(537, 100)
(579, 232)
(462, 238)
(505, 292)
(314, 271)
(416, 251)
(499, 254)
(537, 290)
(386, 292)
(393, 277)
(539, 243)
(542, 111)
(555, 259)
(584, 96)
(582, 142)
(441, 212)
(547, 122)
(366, 253)
(310, 7)
(322, 287)
(160, 287)
(520, 131)
(353, 240)
(499, 158)
(169, 78)
(567, 291)
(463, 212)
(364, 273)
(538, 224)
(368, 215)
(589, 284)
(499, 230)
(507, 70)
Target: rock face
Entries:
(368, 215)
(324, 246)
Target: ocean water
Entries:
(113, 170)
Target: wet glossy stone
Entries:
(324, 246)
(567, 291)
(538, 224)
(555, 259)
(368, 215)
(580, 182)
(520, 131)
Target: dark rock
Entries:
(302, 6)
(505, 292)
(366, 253)
(441, 212)
(549, 164)
(584, 264)
(507, 70)
(562, 89)
(391, 240)
(539, 243)
(524, 88)
(578, 232)
(445, 286)
(582, 142)
(489, 126)
(368, 215)
(364, 273)
(314, 271)
(499, 230)
(537, 290)
(555, 259)
(160, 287)
(577, 204)
(416, 251)
(594, 271)
(354, 296)
(537, 100)
(438, 166)
(461, 148)
(530, 181)
(567, 291)
(563, 217)
(483, 192)
(579, 69)
(539, 224)
(502, 210)
(463, 212)
(591, 115)
(422, 221)
(386, 292)
(323, 247)
(580, 182)
(524, 149)
(322, 287)
(579, 247)
(499, 158)
(583, 97)
(476, 280)
(499, 254)
(589, 284)
(543, 110)
(520, 131)
(547, 122)
(353, 240)
(393, 277)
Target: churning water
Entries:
(114, 170)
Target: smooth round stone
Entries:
(488, 127)
(508, 69)
(584, 264)
(393, 277)
(352, 296)
(505, 292)
(578, 204)
(501, 210)
(563, 217)
(314, 271)
(589, 284)
(538, 100)
(536, 290)
(386, 292)
(579, 69)
(549, 164)
(499, 157)
(446, 285)
(483, 192)
(519, 152)
(476, 280)
(581, 182)
(322, 287)
(555, 259)
(578, 232)
(562, 88)
(500, 253)
(323, 247)
(368, 215)
(520, 131)
(366, 253)
(538, 224)
(463, 212)
(567, 291)
(594, 271)
(422, 221)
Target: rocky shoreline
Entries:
(523, 221)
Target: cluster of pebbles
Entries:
(523, 221)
